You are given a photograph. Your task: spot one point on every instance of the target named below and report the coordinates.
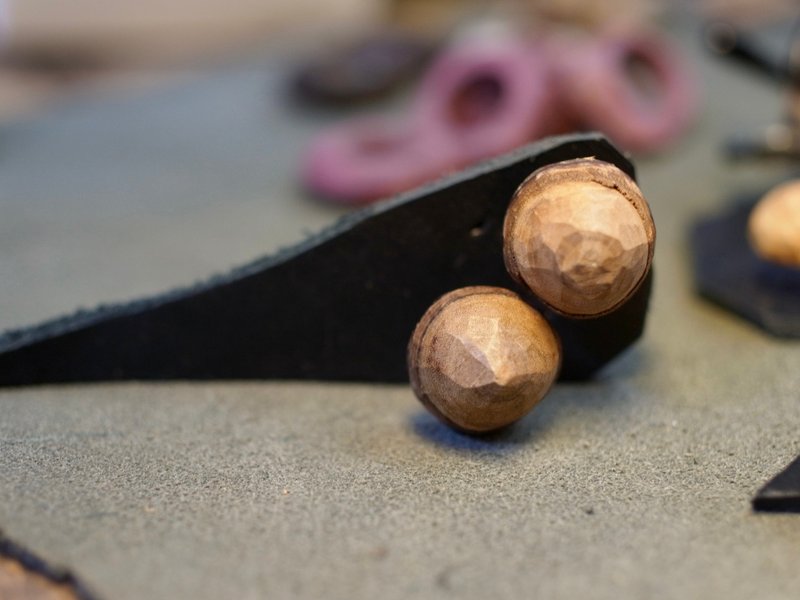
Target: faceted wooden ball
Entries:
(579, 234)
(481, 358)
(774, 225)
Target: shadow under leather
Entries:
(584, 396)
(632, 362)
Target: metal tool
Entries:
(338, 306)
(780, 139)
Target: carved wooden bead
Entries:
(579, 234)
(774, 225)
(481, 358)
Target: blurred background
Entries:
(147, 145)
(191, 136)
(49, 48)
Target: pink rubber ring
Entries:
(361, 161)
(475, 102)
(488, 97)
(596, 81)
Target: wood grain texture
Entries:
(19, 583)
(773, 228)
(579, 234)
(481, 358)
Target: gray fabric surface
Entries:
(636, 485)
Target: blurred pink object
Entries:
(476, 101)
(489, 97)
(632, 87)
(371, 158)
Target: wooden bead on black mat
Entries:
(481, 358)
(773, 228)
(580, 236)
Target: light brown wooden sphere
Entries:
(579, 234)
(774, 225)
(481, 358)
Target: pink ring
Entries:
(595, 80)
(488, 97)
(364, 160)
(369, 159)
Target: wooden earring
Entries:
(773, 228)
(481, 358)
(580, 236)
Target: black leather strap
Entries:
(782, 493)
(338, 306)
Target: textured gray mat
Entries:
(635, 485)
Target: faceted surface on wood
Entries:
(26, 576)
(19, 583)
(774, 225)
(481, 358)
(580, 236)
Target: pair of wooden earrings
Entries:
(579, 235)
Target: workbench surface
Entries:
(635, 485)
